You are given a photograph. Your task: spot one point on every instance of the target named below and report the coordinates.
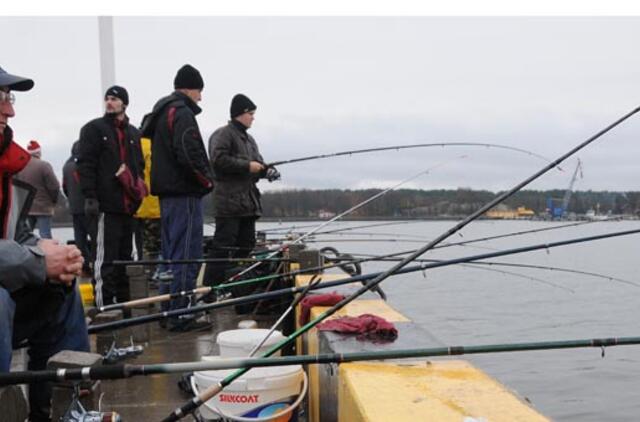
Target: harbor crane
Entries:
(560, 211)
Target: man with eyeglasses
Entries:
(40, 306)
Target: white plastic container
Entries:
(240, 342)
(260, 393)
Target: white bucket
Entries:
(240, 342)
(258, 394)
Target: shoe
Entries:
(191, 323)
(210, 297)
(163, 276)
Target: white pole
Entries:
(107, 54)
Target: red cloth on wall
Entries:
(367, 326)
(327, 299)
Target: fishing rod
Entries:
(559, 269)
(354, 279)
(213, 390)
(207, 289)
(388, 223)
(519, 275)
(460, 243)
(500, 236)
(409, 146)
(580, 223)
(531, 266)
(342, 214)
(193, 261)
(341, 262)
(121, 371)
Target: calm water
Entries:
(469, 306)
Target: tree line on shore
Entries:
(413, 203)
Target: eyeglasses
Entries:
(7, 97)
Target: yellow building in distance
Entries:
(502, 212)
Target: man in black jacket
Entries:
(237, 167)
(110, 164)
(180, 177)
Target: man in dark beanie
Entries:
(180, 177)
(108, 150)
(237, 167)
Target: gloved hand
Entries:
(91, 207)
(272, 174)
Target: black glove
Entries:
(272, 174)
(91, 207)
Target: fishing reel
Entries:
(115, 354)
(77, 412)
(349, 265)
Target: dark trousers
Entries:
(82, 239)
(47, 332)
(113, 242)
(235, 237)
(182, 231)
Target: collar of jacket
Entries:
(188, 101)
(242, 128)
(110, 118)
(13, 157)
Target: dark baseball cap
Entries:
(15, 83)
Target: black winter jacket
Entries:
(180, 163)
(99, 160)
(71, 186)
(235, 194)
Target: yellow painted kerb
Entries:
(440, 391)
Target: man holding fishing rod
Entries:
(237, 166)
(40, 306)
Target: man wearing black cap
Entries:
(180, 177)
(109, 160)
(237, 167)
(38, 298)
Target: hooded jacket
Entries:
(180, 163)
(39, 174)
(100, 154)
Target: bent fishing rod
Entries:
(408, 146)
(342, 263)
(535, 267)
(464, 242)
(213, 390)
(121, 371)
(355, 279)
(342, 214)
(207, 289)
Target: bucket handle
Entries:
(303, 393)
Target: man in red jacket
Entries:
(38, 298)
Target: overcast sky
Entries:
(327, 84)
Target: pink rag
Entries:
(326, 299)
(369, 327)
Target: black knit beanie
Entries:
(188, 77)
(241, 104)
(118, 92)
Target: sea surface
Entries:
(472, 305)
